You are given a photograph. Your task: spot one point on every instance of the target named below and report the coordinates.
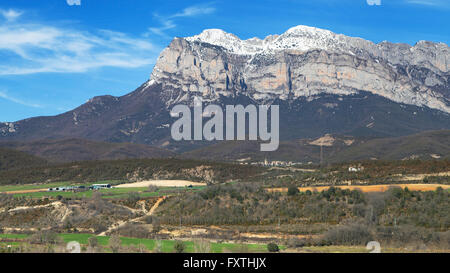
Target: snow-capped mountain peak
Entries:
(302, 38)
(304, 62)
(228, 41)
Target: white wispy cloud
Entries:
(166, 25)
(18, 101)
(34, 48)
(73, 2)
(167, 22)
(10, 15)
(434, 3)
(195, 11)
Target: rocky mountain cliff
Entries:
(303, 62)
(323, 82)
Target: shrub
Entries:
(272, 247)
(99, 226)
(115, 243)
(45, 237)
(156, 226)
(295, 242)
(292, 190)
(133, 197)
(353, 234)
(133, 230)
(202, 246)
(158, 246)
(179, 247)
(93, 242)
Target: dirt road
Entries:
(25, 191)
(121, 223)
(156, 205)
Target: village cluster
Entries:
(81, 188)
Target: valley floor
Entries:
(403, 205)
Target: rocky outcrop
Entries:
(303, 62)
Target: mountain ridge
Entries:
(304, 61)
(309, 38)
(72, 149)
(335, 149)
(319, 92)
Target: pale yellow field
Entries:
(161, 183)
(370, 188)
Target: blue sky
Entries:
(56, 54)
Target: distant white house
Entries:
(100, 186)
(354, 169)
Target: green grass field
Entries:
(13, 236)
(166, 246)
(33, 186)
(106, 193)
(52, 185)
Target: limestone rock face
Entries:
(324, 83)
(303, 62)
